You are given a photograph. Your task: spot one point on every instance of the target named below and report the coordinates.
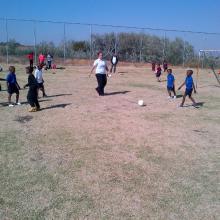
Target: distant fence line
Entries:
(91, 26)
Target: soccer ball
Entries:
(141, 102)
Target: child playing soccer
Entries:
(158, 72)
(189, 87)
(39, 77)
(12, 86)
(32, 95)
(170, 84)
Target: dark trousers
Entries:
(102, 81)
(31, 63)
(32, 98)
(49, 64)
(113, 67)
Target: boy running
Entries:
(170, 84)
(12, 86)
(32, 92)
(189, 87)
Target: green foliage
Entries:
(132, 47)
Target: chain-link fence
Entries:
(82, 41)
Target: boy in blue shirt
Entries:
(170, 84)
(12, 85)
(189, 87)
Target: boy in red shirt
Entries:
(158, 72)
(30, 56)
(41, 59)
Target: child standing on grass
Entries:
(32, 95)
(158, 72)
(170, 84)
(189, 87)
(12, 86)
(39, 77)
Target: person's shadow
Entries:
(56, 106)
(179, 96)
(116, 93)
(51, 96)
(198, 105)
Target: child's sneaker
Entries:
(174, 97)
(18, 103)
(11, 105)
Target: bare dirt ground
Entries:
(90, 157)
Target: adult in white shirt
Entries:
(101, 68)
(39, 77)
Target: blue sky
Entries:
(195, 15)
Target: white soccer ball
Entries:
(141, 102)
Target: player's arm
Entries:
(106, 67)
(194, 88)
(181, 86)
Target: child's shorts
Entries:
(158, 74)
(188, 92)
(170, 88)
(13, 89)
(40, 85)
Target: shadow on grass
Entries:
(51, 96)
(116, 93)
(5, 104)
(56, 106)
(122, 72)
(198, 105)
(23, 119)
(179, 96)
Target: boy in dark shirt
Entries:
(165, 65)
(32, 95)
(189, 87)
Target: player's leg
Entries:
(111, 68)
(114, 68)
(183, 100)
(98, 88)
(169, 92)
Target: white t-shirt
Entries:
(100, 66)
(38, 75)
(114, 60)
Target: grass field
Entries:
(90, 157)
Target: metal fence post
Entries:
(141, 45)
(35, 43)
(91, 43)
(6, 29)
(164, 46)
(116, 41)
(64, 43)
(184, 47)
